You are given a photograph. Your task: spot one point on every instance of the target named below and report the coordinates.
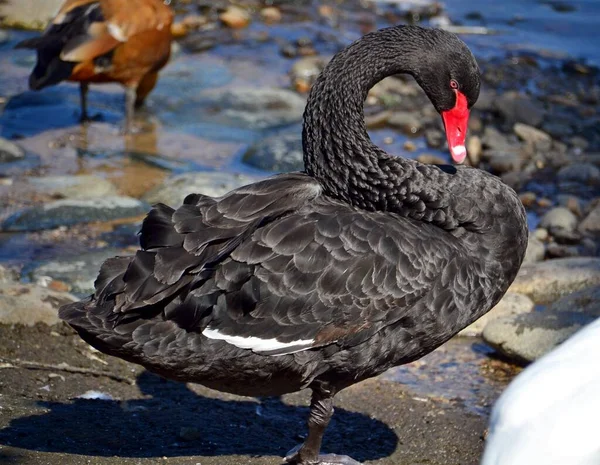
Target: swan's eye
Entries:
(453, 84)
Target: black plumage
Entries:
(324, 278)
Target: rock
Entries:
(214, 184)
(511, 304)
(405, 121)
(590, 226)
(305, 70)
(279, 153)
(79, 186)
(28, 14)
(78, 272)
(559, 128)
(474, 148)
(528, 199)
(270, 14)
(555, 250)
(430, 159)
(73, 211)
(235, 17)
(560, 222)
(495, 140)
(504, 162)
(547, 281)
(572, 202)
(28, 304)
(583, 173)
(526, 337)
(541, 234)
(535, 250)
(8, 275)
(253, 108)
(519, 108)
(10, 152)
(4, 36)
(538, 139)
(434, 138)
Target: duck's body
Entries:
(318, 279)
(548, 414)
(100, 41)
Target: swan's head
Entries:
(449, 75)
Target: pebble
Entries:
(504, 162)
(235, 17)
(4, 36)
(278, 153)
(571, 202)
(8, 275)
(78, 272)
(527, 337)
(214, 184)
(78, 186)
(474, 148)
(511, 304)
(305, 70)
(538, 139)
(560, 222)
(583, 173)
(519, 108)
(10, 151)
(536, 250)
(430, 159)
(590, 226)
(547, 281)
(555, 250)
(270, 14)
(528, 199)
(73, 211)
(28, 304)
(407, 122)
(434, 138)
(253, 108)
(495, 140)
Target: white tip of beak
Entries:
(459, 152)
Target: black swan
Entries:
(323, 278)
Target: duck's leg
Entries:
(321, 410)
(83, 90)
(130, 97)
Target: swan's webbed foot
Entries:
(293, 458)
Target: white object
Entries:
(549, 414)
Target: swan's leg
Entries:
(321, 410)
(83, 90)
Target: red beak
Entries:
(455, 123)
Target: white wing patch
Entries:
(257, 344)
(116, 32)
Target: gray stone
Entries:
(504, 162)
(583, 173)
(305, 70)
(547, 281)
(78, 272)
(405, 121)
(535, 250)
(527, 337)
(474, 148)
(253, 108)
(494, 140)
(511, 304)
(591, 224)
(28, 14)
(73, 211)
(435, 139)
(519, 108)
(559, 128)
(560, 222)
(176, 188)
(538, 139)
(10, 152)
(80, 186)
(280, 153)
(28, 304)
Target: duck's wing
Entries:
(87, 30)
